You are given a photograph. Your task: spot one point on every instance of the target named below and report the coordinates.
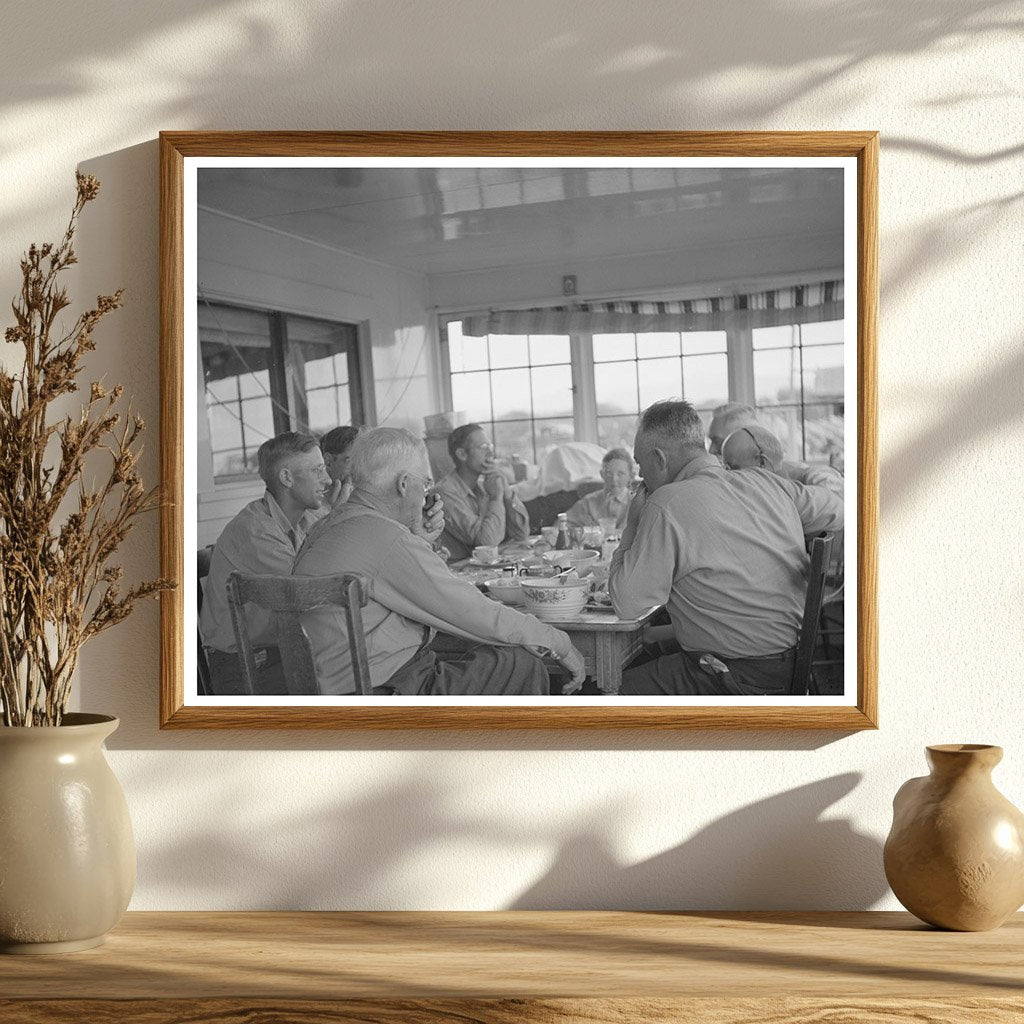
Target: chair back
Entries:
(288, 597)
(821, 553)
(203, 685)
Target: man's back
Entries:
(725, 552)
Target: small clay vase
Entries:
(955, 854)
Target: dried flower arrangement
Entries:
(58, 588)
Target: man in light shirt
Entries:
(264, 537)
(480, 506)
(724, 552)
(381, 535)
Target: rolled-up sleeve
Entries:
(819, 508)
(415, 583)
(641, 575)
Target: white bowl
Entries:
(507, 591)
(577, 558)
(555, 600)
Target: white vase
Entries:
(67, 854)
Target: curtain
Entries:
(806, 303)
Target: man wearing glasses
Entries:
(479, 505)
(384, 533)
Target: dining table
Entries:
(607, 642)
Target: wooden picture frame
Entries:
(857, 152)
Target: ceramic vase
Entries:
(67, 855)
(955, 854)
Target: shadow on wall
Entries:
(414, 843)
(776, 854)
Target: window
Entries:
(799, 388)
(531, 392)
(517, 387)
(266, 372)
(631, 371)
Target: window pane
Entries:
(323, 414)
(659, 378)
(615, 387)
(465, 353)
(616, 431)
(471, 394)
(696, 342)
(514, 438)
(549, 434)
(552, 390)
(320, 370)
(823, 372)
(613, 346)
(706, 380)
(774, 337)
(224, 390)
(777, 375)
(510, 394)
(231, 463)
(225, 427)
(661, 343)
(784, 423)
(509, 350)
(253, 384)
(549, 348)
(258, 417)
(828, 332)
(824, 439)
(341, 368)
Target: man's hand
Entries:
(636, 508)
(572, 662)
(339, 493)
(496, 486)
(431, 524)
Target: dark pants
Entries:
(684, 675)
(227, 678)
(470, 671)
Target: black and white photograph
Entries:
(574, 432)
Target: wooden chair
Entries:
(821, 553)
(288, 597)
(203, 685)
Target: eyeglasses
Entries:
(484, 446)
(428, 482)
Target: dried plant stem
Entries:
(58, 586)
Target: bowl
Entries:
(506, 590)
(575, 558)
(555, 600)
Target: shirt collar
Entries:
(274, 510)
(701, 465)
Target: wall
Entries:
(363, 820)
(250, 264)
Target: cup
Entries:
(485, 554)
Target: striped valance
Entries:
(805, 303)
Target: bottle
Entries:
(608, 547)
(562, 540)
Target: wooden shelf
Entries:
(595, 966)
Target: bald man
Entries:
(729, 418)
(752, 447)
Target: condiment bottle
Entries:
(562, 540)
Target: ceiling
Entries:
(439, 220)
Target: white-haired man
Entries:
(264, 537)
(727, 419)
(381, 535)
(724, 552)
(752, 447)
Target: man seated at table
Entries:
(752, 447)
(336, 446)
(480, 506)
(732, 416)
(612, 501)
(724, 552)
(382, 534)
(264, 537)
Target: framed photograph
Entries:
(628, 470)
